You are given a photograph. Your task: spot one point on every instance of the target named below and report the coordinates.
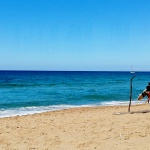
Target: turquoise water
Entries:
(28, 92)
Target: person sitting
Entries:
(148, 87)
(148, 93)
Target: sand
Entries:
(78, 129)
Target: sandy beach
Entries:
(79, 128)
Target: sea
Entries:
(30, 92)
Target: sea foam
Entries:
(21, 111)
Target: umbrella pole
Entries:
(130, 93)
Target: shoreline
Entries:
(78, 128)
(23, 111)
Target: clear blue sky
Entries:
(75, 35)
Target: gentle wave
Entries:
(21, 85)
(33, 110)
(120, 103)
(11, 85)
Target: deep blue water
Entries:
(24, 92)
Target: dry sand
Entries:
(80, 128)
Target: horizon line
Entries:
(74, 70)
